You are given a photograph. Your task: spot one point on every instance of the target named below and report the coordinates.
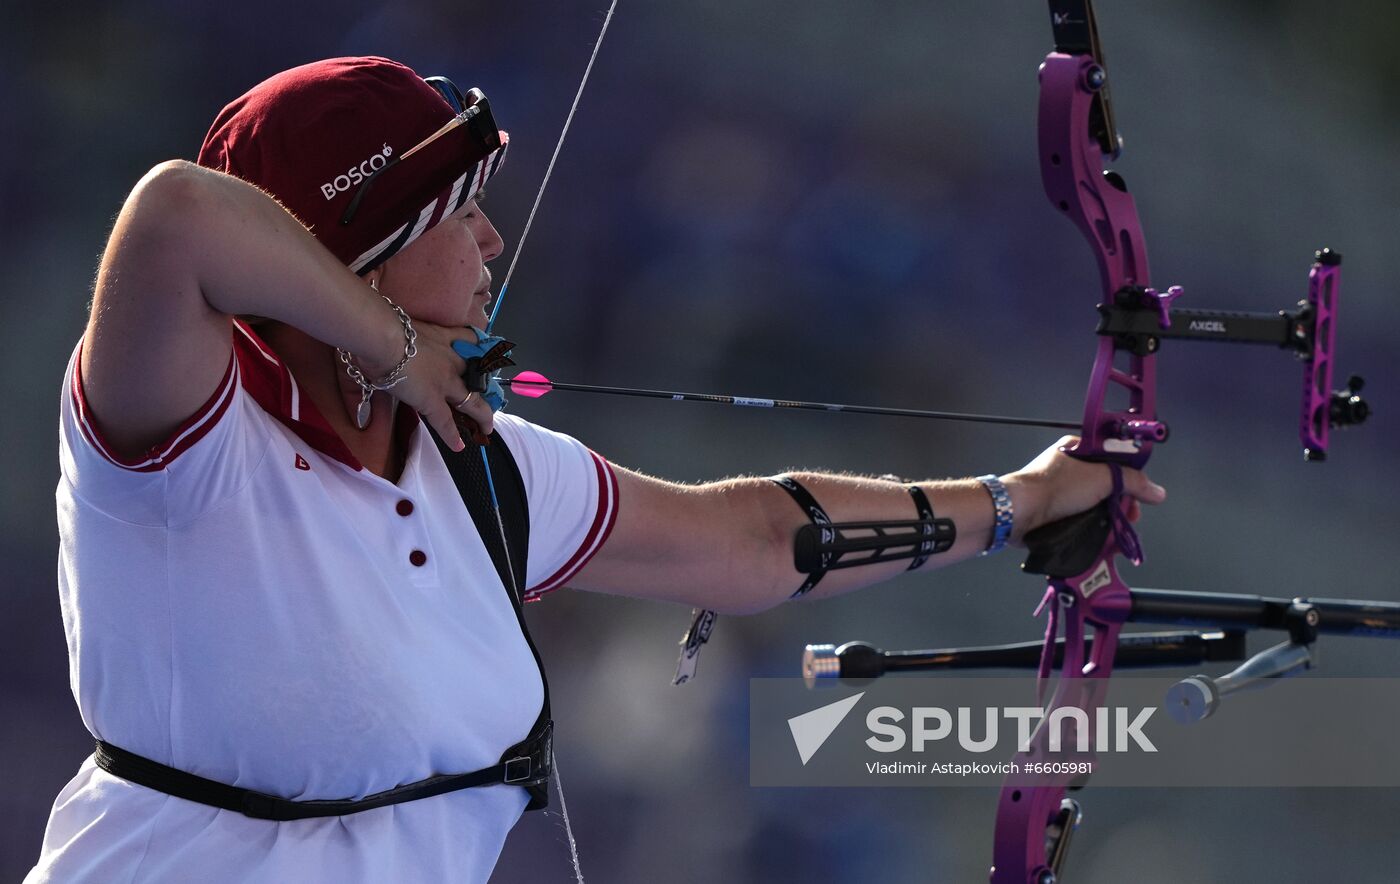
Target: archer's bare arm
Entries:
(728, 545)
(191, 248)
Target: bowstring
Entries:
(549, 170)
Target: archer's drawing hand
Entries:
(433, 386)
(1055, 486)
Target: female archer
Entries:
(291, 587)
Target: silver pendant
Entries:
(362, 413)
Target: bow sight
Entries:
(1139, 318)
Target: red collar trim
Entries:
(268, 380)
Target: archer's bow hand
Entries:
(1055, 486)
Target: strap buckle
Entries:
(518, 776)
(529, 761)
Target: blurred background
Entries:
(824, 200)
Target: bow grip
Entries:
(1068, 547)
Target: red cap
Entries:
(310, 135)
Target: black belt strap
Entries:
(531, 768)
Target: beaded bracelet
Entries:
(1001, 499)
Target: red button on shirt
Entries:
(418, 558)
(404, 508)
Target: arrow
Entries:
(533, 385)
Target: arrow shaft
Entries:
(749, 402)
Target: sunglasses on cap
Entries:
(471, 110)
